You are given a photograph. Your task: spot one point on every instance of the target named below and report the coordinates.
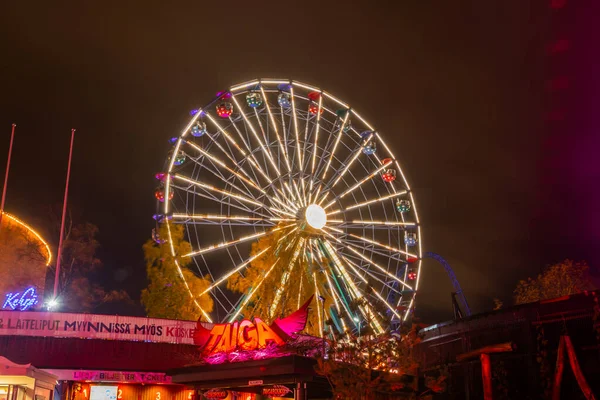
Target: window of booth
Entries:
(12, 392)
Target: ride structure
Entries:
(459, 301)
(274, 166)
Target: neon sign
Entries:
(21, 301)
(216, 394)
(249, 335)
(276, 391)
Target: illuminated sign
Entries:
(20, 301)
(249, 335)
(216, 394)
(276, 391)
(110, 376)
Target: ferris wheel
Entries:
(275, 156)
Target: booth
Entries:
(24, 382)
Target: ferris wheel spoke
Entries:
(286, 276)
(249, 156)
(230, 194)
(316, 145)
(374, 250)
(241, 266)
(367, 259)
(368, 224)
(388, 305)
(376, 293)
(229, 155)
(357, 185)
(262, 145)
(238, 205)
(256, 166)
(338, 297)
(252, 292)
(215, 171)
(373, 242)
(354, 291)
(215, 219)
(297, 134)
(223, 165)
(355, 268)
(368, 202)
(281, 144)
(204, 313)
(335, 145)
(288, 158)
(329, 186)
(223, 245)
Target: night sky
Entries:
(459, 89)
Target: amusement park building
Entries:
(23, 250)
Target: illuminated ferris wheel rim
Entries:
(315, 212)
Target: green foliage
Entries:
(167, 295)
(562, 279)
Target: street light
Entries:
(52, 304)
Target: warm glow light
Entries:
(243, 86)
(34, 233)
(236, 241)
(315, 216)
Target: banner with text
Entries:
(92, 326)
(110, 376)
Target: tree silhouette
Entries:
(561, 279)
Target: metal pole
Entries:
(62, 223)
(323, 332)
(486, 375)
(12, 136)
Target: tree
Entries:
(80, 269)
(561, 279)
(169, 294)
(364, 367)
(281, 279)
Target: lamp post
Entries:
(62, 223)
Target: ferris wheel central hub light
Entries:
(315, 216)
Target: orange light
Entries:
(34, 233)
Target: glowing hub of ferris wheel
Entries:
(315, 216)
(280, 158)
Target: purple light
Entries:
(22, 302)
(194, 112)
(223, 95)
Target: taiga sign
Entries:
(249, 335)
